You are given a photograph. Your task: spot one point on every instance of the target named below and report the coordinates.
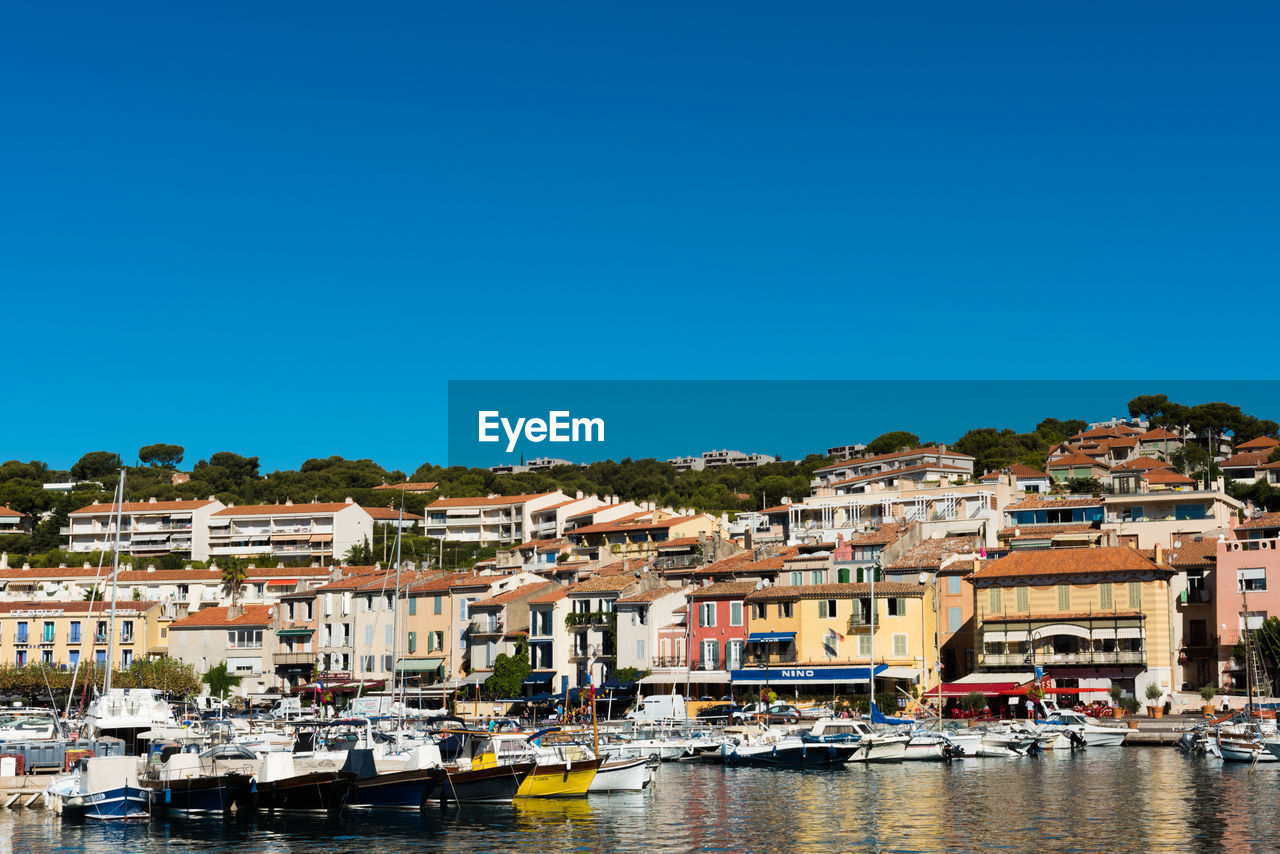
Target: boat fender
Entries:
(253, 784)
(168, 795)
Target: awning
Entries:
(667, 677)
(477, 678)
(539, 677)
(804, 675)
(1061, 629)
(296, 633)
(993, 637)
(770, 637)
(322, 538)
(1015, 637)
(614, 685)
(418, 665)
(912, 673)
(961, 689)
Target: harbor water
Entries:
(1121, 799)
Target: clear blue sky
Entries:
(279, 230)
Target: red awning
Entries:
(960, 689)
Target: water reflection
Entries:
(1115, 800)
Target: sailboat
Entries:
(107, 787)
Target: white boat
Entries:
(105, 789)
(871, 746)
(125, 713)
(622, 775)
(1093, 733)
(25, 723)
(927, 746)
(1243, 743)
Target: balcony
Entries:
(669, 661)
(485, 627)
(1079, 659)
(588, 619)
(758, 660)
(284, 659)
(707, 663)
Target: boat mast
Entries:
(115, 582)
(395, 611)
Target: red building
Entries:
(718, 630)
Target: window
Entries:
(710, 654)
(387, 663)
(1024, 599)
(897, 607)
(785, 610)
(827, 608)
(46, 657)
(462, 608)
(73, 657)
(20, 658)
(1135, 594)
(900, 645)
(864, 646)
(366, 663)
(735, 613)
(733, 655)
(22, 632)
(73, 632)
(183, 591)
(244, 639)
(438, 605)
(797, 579)
(1064, 597)
(815, 576)
(640, 650)
(126, 659)
(1104, 594)
(1246, 579)
(954, 620)
(830, 645)
(994, 595)
(757, 612)
(1253, 620)
(413, 606)
(389, 636)
(413, 642)
(953, 585)
(100, 636)
(47, 636)
(368, 635)
(100, 657)
(707, 616)
(126, 633)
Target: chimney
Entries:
(348, 500)
(1159, 558)
(151, 567)
(288, 502)
(579, 496)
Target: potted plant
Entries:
(1116, 693)
(973, 702)
(1131, 706)
(1207, 693)
(1154, 693)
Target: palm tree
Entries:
(233, 578)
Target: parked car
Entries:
(778, 713)
(721, 712)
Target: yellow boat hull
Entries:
(559, 780)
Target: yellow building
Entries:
(820, 635)
(1090, 617)
(66, 633)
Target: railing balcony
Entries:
(1119, 657)
(486, 627)
(670, 661)
(281, 659)
(758, 660)
(708, 663)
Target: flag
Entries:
(982, 552)
(1039, 673)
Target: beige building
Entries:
(66, 633)
(238, 635)
(146, 528)
(290, 532)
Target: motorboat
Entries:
(622, 775)
(477, 774)
(27, 723)
(1243, 743)
(1087, 732)
(126, 713)
(871, 746)
(280, 786)
(102, 788)
(184, 783)
(406, 786)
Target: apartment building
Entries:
(717, 633)
(1039, 522)
(296, 624)
(640, 619)
(857, 467)
(591, 622)
(66, 633)
(1247, 586)
(499, 621)
(492, 519)
(1091, 617)
(1165, 517)
(322, 532)
(431, 649)
(552, 669)
(13, 522)
(147, 528)
(1023, 477)
(640, 535)
(721, 459)
(240, 635)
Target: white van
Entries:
(288, 709)
(659, 707)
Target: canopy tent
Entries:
(961, 689)
(419, 665)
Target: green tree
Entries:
(1147, 406)
(162, 455)
(509, 672)
(1274, 456)
(1084, 486)
(234, 576)
(888, 443)
(360, 554)
(220, 680)
(93, 594)
(96, 465)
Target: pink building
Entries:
(718, 629)
(1247, 587)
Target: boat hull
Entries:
(558, 780)
(197, 794)
(119, 804)
(322, 791)
(629, 775)
(495, 785)
(402, 789)
(805, 755)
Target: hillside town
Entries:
(910, 572)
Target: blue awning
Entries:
(770, 637)
(612, 685)
(790, 674)
(538, 677)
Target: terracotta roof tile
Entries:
(253, 615)
(1202, 552)
(8, 511)
(1141, 464)
(1158, 434)
(496, 501)
(886, 589)
(1167, 476)
(1035, 502)
(636, 522)
(1019, 471)
(1041, 532)
(724, 589)
(144, 507)
(1075, 459)
(930, 554)
(648, 596)
(390, 514)
(423, 486)
(550, 596)
(515, 595)
(899, 471)
(1262, 443)
(1247, 459)
(1265, 520)
(285, 509)
(612, 583)
(78, 606)
(1068, 562)
(931, 450)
